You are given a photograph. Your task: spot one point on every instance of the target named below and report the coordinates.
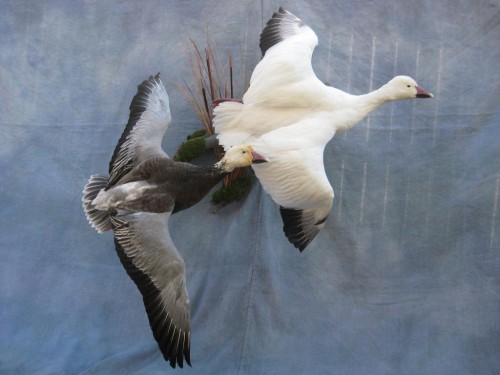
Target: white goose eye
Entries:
(408, 85)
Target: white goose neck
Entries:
(361, 106)
(375, 99)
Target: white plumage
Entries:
(289, 115)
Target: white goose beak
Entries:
(422, 93)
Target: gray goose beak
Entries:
(258, 158)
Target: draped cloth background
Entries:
(404, 279)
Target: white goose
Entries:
(290, 115)
(144, 188)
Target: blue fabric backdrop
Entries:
(404, 279)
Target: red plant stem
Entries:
(231, 75)
(210, 79)
(210, 129)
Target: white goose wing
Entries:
(285, 71)
(295, 177)
(152, 261)
(283, 87)
(148, 120)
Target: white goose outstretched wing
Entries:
(295, 177)
(287, 45)
(152, 261)
(283, 86)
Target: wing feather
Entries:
(152, 261)
(289, 44)
(148, 120)
(281, 26)
(295, 177)
(301, 226)
(283, 86)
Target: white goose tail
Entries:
(98, 219)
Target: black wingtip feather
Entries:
(187, 349)
(273, 33)
(293, 228)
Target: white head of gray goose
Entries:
(143, 189)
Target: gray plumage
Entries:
(143, 189)
(140, 225)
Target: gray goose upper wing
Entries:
(148, 120)
(152, 261)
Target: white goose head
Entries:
(241, 155)
(404, 87)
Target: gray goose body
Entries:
(143, 189)
(165, 183)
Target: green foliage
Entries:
(233, 192)
(197, 133)
(190, 149)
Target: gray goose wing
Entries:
(152, 261)
(148, 120)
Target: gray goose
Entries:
(143, 189)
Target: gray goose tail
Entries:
(98, 219)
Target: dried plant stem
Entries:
(210, 83)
